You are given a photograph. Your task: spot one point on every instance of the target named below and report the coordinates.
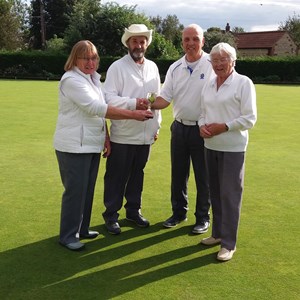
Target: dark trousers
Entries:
(78, 175)
(226, 179)
(187, 145)
(124, 176)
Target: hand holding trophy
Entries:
(151, 97)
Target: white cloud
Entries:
(254, 15)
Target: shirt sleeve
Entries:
(112, 89)
(84, 97)
(247, 98)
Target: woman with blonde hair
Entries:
(80, 137)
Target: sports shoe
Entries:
(201, 227)
(174, 221)
(225, 254)
(210, 241)
(89, 235)
(113, 227)
(138, 219)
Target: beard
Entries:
(137, 54)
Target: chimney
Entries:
(227, 28)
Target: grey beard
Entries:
(137, 57)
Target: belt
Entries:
(187, 122)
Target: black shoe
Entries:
(201, 227)
(139, 220)
(113, 227)
(174, 221)
(90, 235)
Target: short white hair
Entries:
(196, 27)
(224, 47)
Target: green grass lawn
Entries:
(151, 263)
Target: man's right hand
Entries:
(142, 115)
(142, 103)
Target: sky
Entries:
(255, 15)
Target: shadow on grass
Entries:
(45, 270)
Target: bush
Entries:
(56, 45)
(286, 69)
(32, 64)
(50, 65)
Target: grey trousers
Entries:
(78, 175)
(188, 146)
(226, 180)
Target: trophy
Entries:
(151, 97)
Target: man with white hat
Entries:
(128, 81)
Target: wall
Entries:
(285, 46)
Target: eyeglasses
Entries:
(221, 60)
(93, 58)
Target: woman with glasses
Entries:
(228, 110)
(81, 135)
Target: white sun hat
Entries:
(136, 30)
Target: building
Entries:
(265, 43)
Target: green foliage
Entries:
(214, 36)
(56, 45)
(48, 19)
(292, 25)
(263, 69)
(111, 24)
(104, 25)
(57, 17)
(101, 24)
(237, 30)
(11, 30)
(32, 64)
(82, 22)
(162, 48)
(50, 64)
(170, 28)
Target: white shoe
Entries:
(225, 254)
(210, 241)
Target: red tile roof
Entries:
(261, 39)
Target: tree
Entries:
(162, 48)
(49, 18)
(104, 26)
(292, 25)
(101, 24)
(11, 30)
(170, 28)
(82, 22)
(237, 30)
(215, 35)
(56, 18)
(37, 25)
(113, 19)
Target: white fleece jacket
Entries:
(80, 125)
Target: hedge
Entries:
(45, 65)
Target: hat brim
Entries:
(128, 34)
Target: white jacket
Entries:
(126, 81)
(234, 103)
(80, 125)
